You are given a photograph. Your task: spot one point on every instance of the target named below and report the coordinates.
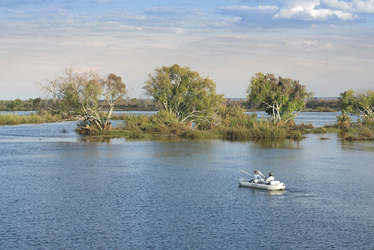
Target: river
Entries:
(59, 191)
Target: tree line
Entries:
(177, 90)
(182, 93)
(20, 105)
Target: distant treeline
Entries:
(20, 105)
(135, 104)
(323, 105)
(313, 105)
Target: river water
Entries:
(59, 191)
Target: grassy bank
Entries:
(13, 119)
(229, 123)
(361, 134)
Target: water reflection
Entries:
(265, 192)
(277, 143)
(96, 139)
(354, 145)
(357, 145)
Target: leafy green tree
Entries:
(36, 103)
(79, 94)
(183, 92)
(359, 103)
(11, 105)
(17, 102)
(279, 97)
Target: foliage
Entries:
(344, 120)
(12, 119)
(236, 125)
(79, 93)
(359, 103)
(279, 97)
(323, 105)
(184, 93)
(19, 105)
(161, 123)
(362, 134)
(365, 132)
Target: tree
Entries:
(183, 92)
(360, 103)
(279, 97)
(17, 102)
(79, 94)
(11, 105)
(36, 103)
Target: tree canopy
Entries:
(359, 103)
(79, 94)
(279, 97)
(183, 92)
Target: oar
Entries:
(245, 172)
(261, 173)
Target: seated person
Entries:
(257, 177)
(270, 178)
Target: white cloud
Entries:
(227, 43)
(246, 9)
(308, 45)
(312, 12)
(290, 14)
(354, 6)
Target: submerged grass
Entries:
(362, 134)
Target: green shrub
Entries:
(368, 121)
(344, 120)
(365, 132)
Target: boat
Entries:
(259, 183)
(271, 186)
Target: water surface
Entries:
(58, 191)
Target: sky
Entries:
(327, 45)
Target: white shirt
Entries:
(270, 178)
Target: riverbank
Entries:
(235, 127)
(14, 119)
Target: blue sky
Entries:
(328, 45)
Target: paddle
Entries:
(261, 174)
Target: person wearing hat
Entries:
(270, 178)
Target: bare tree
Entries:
(78, 94)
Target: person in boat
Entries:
(257, 178)
(270, 178)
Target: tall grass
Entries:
(230, 123)
(236, 125)
(14, 119)
(160, 123)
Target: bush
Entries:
(365, 132)
(344, 120)
(161, 123)
(368, 121)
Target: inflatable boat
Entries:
(271, 186)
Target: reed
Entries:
(161, 123)
(14, 119)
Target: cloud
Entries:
(235, 10)
(14, 3)
(313, 12)
(227, 42)
(354, 6)
(296, 14)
